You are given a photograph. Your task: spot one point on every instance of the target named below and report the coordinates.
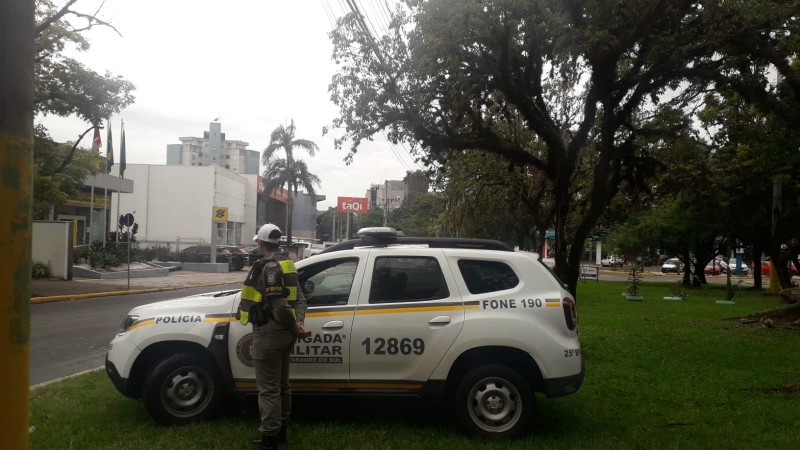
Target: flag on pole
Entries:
(122, 152)
(110, 151)
(96, 144)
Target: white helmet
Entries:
(268, 233)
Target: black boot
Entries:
(268, 443)
(282, 434)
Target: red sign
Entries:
(353, 205)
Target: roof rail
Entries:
(383, 238)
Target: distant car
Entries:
(732, 266)
(239, 257)
(611, 260)
(672, 265)
(713, 268)
(201, 253)
(765, 267)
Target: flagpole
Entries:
(105, 214)
(91, 208)
(106, 199)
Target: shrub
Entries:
(40, 270)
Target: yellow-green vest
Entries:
(259, 285)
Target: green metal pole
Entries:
(16, 192)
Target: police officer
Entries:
(272, 301)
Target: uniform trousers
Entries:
(271, 347)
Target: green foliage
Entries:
(40, 270)
(634, 280)
(64, 86)
(51, 189)
(570, 91)
(159, 252)
(418, 218)
(290, 172)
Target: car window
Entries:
(407, 279)
(331, 281)
(487, 276)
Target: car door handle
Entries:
(439, 321)
(333, 325)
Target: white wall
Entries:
(177, 202)
(51, 246)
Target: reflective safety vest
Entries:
(274, 279)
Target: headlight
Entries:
(129, 320)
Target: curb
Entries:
(61, 298)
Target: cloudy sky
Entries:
(254, 64)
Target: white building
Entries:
(175, 203)
(214, 149)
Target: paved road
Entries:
(72, 336)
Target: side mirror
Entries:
(308, 287)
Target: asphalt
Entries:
(52, 290)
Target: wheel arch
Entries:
(514, 358)
(156, 352)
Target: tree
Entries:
(567, 89)
(51, 187)
(64, 87)
(289, 172)
(418, 218)
(488, 198)
(16, 151)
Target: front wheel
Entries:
(183, 388)
(494, 401)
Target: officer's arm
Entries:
(300, 306)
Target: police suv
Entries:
(467, 320)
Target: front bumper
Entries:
(120, 383)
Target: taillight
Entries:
(570, 313)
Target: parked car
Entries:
(200, 253)
(611, 261)
(389, 316)
(239, 257)
(713, 268)
(672, 265)
(732, 267)
(765, 267)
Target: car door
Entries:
(331, 293)
(409, 314)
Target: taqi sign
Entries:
(352, 205)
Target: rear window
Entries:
(487, 276)
(407, 279)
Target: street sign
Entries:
(220, 214)
(126, 220)
(353, 205)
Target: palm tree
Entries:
(288, 172)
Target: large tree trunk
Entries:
(16, 192)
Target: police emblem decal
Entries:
(244, 350)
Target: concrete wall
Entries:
(52, 245)
(177, 201)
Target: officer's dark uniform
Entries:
(271, 289)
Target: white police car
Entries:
(467, 320)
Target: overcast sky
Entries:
(254, 64)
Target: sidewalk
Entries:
(50, 290)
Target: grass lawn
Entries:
(659, 374)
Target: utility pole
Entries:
(385, 203)
(16, 190)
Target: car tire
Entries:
(494, 402)
(183, 388)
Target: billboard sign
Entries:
(352, 205)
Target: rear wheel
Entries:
(183, 388)
(494, 401)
